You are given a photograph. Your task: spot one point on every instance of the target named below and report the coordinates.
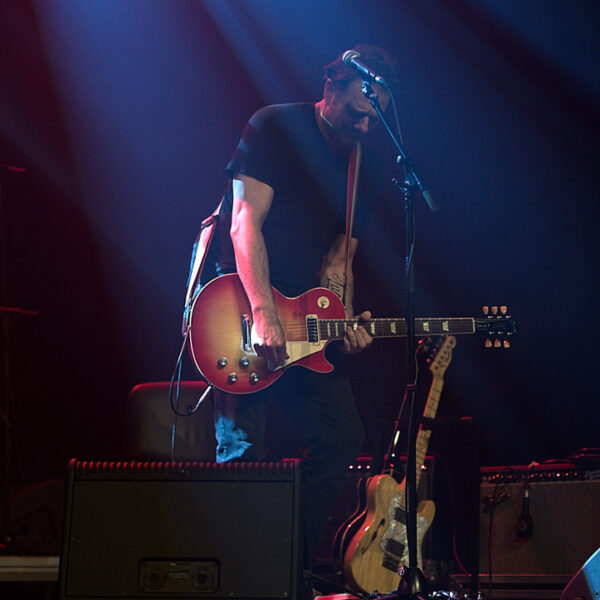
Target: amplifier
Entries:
(537, 525)
(182, 530)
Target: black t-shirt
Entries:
(283, 147)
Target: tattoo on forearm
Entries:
(336, 284)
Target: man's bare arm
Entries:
(251, 203)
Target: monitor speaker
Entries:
(585, 584)
(181, 530)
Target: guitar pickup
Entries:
(400, 515)
(312, 329)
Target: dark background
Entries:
(125, 113)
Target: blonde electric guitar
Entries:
(379, 547)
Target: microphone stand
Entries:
(412, 581)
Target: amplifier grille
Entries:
(566, 527)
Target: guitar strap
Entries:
(352, 189)
(199, 252)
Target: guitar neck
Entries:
(437, 368)
(422, 443)
(333, 329)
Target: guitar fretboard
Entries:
(333, 329)
(424, 434)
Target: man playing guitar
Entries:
(282, 224)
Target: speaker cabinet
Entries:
(536, 562)
(181, 530)
(565, 527)
(534, 556)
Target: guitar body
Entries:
(374, 554)
(220, 334)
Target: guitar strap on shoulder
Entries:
(352, 190)
(199, 252)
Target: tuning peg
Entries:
(497, 343)
(488, 343)
(485, 310)
(494, 310)
(506, 343)
(504, 309)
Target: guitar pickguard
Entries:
(298, 351)
(394, 540)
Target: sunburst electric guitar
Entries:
(222, 349)
(380, 545)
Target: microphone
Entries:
(350, 59)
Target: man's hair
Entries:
(377, 59)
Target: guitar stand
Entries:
(413, 585)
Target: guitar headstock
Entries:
(440, 356)
(497, 325)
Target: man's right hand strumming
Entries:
(268, 338)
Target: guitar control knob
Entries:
(232, 377)
(254, 377)
(244, 362)
(222, 362)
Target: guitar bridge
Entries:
(312, 329)
(390, 562)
